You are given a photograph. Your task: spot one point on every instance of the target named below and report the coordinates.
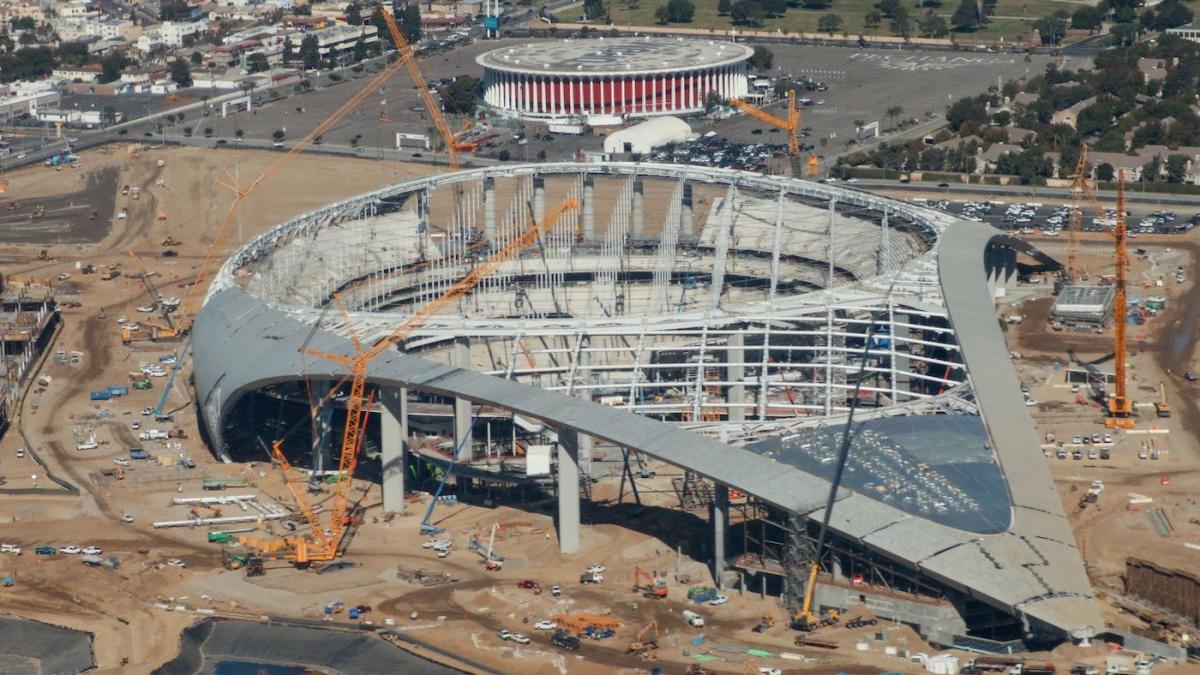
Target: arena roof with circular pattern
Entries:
(614, 56)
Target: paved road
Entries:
(962, 191)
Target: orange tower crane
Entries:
(358, 405)
(1120, 408)
(791, 125)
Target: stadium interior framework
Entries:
(717, 320)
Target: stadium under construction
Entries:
(722, 322)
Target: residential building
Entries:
(1070, 116)
(1189, 31)
(18, 10)
(89, 73)
(337, 41)
(1152, 69)
(173, 33)
(986, 161)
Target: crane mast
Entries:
(1120, 408)
(791, 124)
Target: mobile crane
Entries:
(328, 541)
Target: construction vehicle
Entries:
(640, 643)
(791, 125)
(653, 588)
(491, 560)
(1160, 406)
(428, 529)
(1120, 407)
(255, 566)
(325, 542)
(562, 638)
(766, 623)
(701, 594)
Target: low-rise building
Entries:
(1070, 116)
(17, 105)
(174, 33)
(1189, 31)
(88, 73)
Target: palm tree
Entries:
(893, 113)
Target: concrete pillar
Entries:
(489, 209)
(539, 198)
(589, 209)
(685, 211)
(423, 211)
(393, 435)
(639, 215)
(463, 440)
(322, 430)
(720, 519)
(568, 491)
(735, 356)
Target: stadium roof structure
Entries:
(1014, 550)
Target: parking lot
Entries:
(1049, 220)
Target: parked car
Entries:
(45, 550)
(504, 634)
(72, 549)
(176, 562)
(92, 550)
(545, 624)
(719, 600)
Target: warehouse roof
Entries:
(644, 137)
(614, 56)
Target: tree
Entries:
(967, 17)
(208, 132)
(239, 134)
(170, 119)
(1124, 34)
(1171, 14)
(889, 7)
(747, 13)
(873, 18)
(901, 22)
(1087, 18)
(459, 95)
(712, 101)
(111, 66)
(1052, 29)
(773, 8)
(681, 11)
(73, 53)
(1002, 118)
(289, 50)
(310, 53)
(1176, 168)
(23, 23)
(410, 22)
(594, 9)
(724, 7)
(893, 113)
(933, 25)
(1105, 172)
(816, 4)
(354, 14)
(661, 15)
(762, 58)
(278, 135)
(180, 73)
(108, 115)
(504, 155)
(829, 23)
(257, 63)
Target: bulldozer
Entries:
(765, 624)
(641, 644)
(804, 619)
(653, 588)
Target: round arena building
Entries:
(634, 77)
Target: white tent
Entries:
(644, 137)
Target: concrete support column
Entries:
(589, 208)
(735, 356)
(464, 442)
(568, 492)
(393, 435)
(539, 198)
(685, 211)
(322, 430)
(489, 208)
(720, 520)
(639, 214)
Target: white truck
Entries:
(693, 619)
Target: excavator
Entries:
(653, 588)
(641, 644)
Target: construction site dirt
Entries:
(82, 216)
(172, 577)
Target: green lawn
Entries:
(1014, 26)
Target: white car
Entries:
(137, 424)
(437, 543)
(147, 411)
(10, 548)
(72, 549)
(20, 453)
(89, 444)
(719, 600)
(122, 319)
(121, 461)
(505, 634)
(545, 624)
(133, 326)
(92, 550)
(767, 670)
(176, 562)
(596, 569)
(145, 309)
(126, 518)
(519, 639)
